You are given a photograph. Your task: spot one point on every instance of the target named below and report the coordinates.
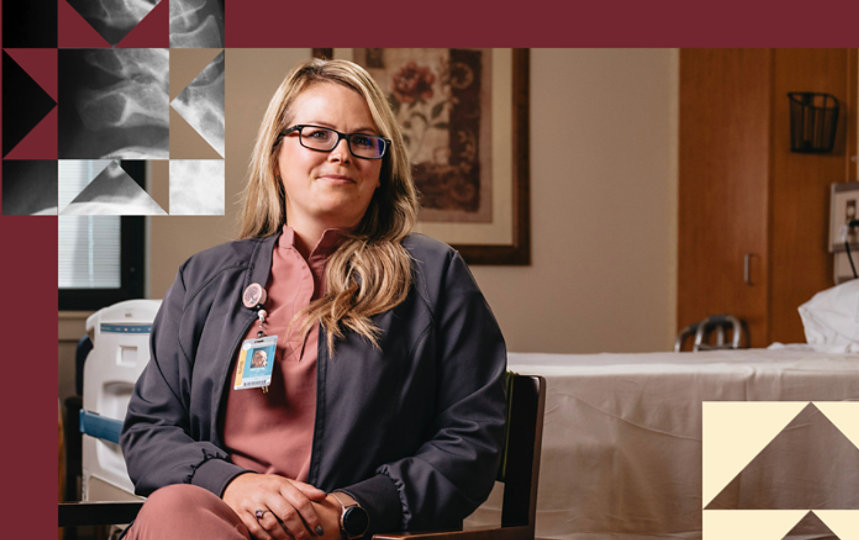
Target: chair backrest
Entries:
(520, 465)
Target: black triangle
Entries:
(136, 169)
(24, 103)
(810, 524)
(810, 464)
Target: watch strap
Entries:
(344, 509)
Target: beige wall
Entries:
(603, 188)
(603, 206)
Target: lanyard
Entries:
(257, 356)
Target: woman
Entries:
(386, 403)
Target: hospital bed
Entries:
(622, 454)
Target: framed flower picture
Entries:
(464, 119)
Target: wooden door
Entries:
(724, 148)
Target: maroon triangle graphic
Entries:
(74, 32)
(40, 65)
(151, 32)
(40, 142)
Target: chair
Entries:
(519, 471)
(703, 332)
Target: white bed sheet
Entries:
(622, 436)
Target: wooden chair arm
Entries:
(504, 533)
(71, 514)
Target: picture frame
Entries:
(479, 205)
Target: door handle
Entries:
(747, 268)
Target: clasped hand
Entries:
(289, 509)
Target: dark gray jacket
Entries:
(413, 432)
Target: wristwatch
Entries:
(354, 520)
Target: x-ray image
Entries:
(29, 188)
(196, 187)
(114, 103)
(113, 19)
(111, 192)
(201, 104)
(197, 23)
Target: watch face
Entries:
(355, 521)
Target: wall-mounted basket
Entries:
(813, 122)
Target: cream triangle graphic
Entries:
(728, 445)
(844, 523)
(749, 524)
(112, 192)
(845, 416)
(201, 104)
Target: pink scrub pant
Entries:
(185, 511)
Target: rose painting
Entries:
(441, 100)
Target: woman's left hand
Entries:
(287, 508)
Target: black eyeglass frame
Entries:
(340, 136)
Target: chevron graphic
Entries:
(40, 142)
(40, 65)
(153, 31)
(201, 104)
(819, 437)
(25, 103)
(113, 19)
(112, 192)
(74, 32)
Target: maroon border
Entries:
(28, 277)
(544, 23)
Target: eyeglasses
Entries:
(323, 139)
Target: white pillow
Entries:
(831, 318)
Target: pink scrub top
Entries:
(272, 432)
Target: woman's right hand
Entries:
(287, 506)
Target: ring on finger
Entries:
(259, 513)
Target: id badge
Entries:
(256, 362)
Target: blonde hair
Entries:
(371, 271)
